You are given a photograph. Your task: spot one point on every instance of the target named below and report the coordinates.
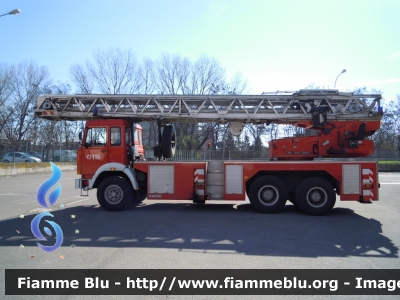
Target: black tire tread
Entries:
(126, 188)
(168, 135)
(139, 196)
(301, 193)
(259, 183)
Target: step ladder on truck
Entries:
(108, 158)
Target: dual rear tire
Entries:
(268, 194)
(314, 196)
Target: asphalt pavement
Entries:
(183, 235)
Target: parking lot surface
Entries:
(183, 235)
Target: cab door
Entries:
(95, 149)
(117, 149)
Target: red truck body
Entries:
(219, 180)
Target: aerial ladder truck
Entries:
(309, 171)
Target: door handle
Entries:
(104, 151)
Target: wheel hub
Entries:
(317, 197)
(268, 195)
(113, 194)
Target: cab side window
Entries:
(128, 136)
(140, 137)
(136, 137)
(115, 136)
(96, 136)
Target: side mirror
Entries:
(80, 136)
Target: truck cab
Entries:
(109, 141)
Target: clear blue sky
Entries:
(276, 45)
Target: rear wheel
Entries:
(315, 196)
(114, 193)
(5, 161)
(168, 141)
(268, 194)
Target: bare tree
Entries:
(147, 75)
(387, 138)
(5, 93)
(148, 86)
(117, 71)
(172, 74)
(46, 135)
(82, 79)
(205, 73)
(114, 71)
(256, 131)
(238, 84)
(28, 80)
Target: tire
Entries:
(5, 161)
(315, 196)
(139, 196)
(294, 199)
(168, 141)
(27, 161)
(114, 193)
(268, 194)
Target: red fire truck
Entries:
(307, 170)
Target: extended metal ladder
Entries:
(278, 107)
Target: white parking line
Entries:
(26, 202)
(39, 210)
(76, 201)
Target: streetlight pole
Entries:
(13, 12)
(343, 71)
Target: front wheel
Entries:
(114, 193)
(139, 196)
(315, 196)
(5, 161)
(268, 194)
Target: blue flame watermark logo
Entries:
(41, 199)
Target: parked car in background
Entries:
(35, 154)
(66, 155)
(20, 157)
